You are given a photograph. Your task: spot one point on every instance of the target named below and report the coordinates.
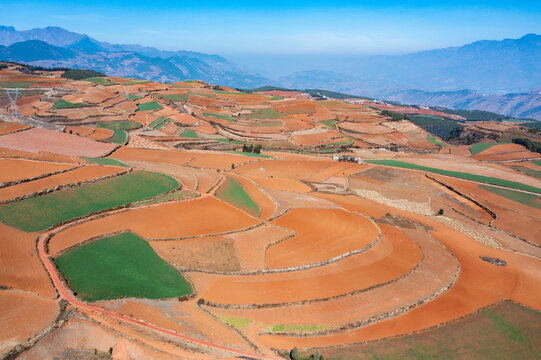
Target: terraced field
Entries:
(177, 244)
(111, 268)
(39, 213)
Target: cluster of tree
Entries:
(256, 149)
(394, 115)
(347, 158)
(441, 127)
(475, 115)
(462, 136)
(294, 355)
(533, 146)
(79, 74)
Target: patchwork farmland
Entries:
(190, 220)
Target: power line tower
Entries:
(127, 92)
(14, 110)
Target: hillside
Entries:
(523, 105)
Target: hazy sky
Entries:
(252, 30)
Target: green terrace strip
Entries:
(292, 328)
(101, 81)
(103, 161)
(537, 162)
(435, 141)
(119, 266)
(528, 171)
(133, 97)
(230, 141)
(505, 331)
(177, 195)
(477, 148)
(136, 82)
(63, 104)
(264, 114)
(149, 106)
(219, 116)
(520, 197)
(15, 84)
(163, 123)
(250, 154)
(174, 97)
(329, 123)
(236, 322)
(41, 212)
(233, 193)
(120, 125)
(188, 133)
(273, 98)
(157, 122)
(119, 137)
(457, 174)
(347, 142)
(233, 92)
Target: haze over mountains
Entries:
(510, 66)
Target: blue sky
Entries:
(277, 28)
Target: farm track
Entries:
(63, 292)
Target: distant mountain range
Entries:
(510, 66)
(520, 105)
(57, 47)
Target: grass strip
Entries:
(177, 195)
(103, 161)
(250, 154)
(41, 212)
(63, 104)
(477, 148)
(119, 137)
(120, 125)
(435, 141)
(517, 196)
(458, 174)
(188, 133)
(219, 116)
(112, 268)
(149, 106)
(101, 81)
(15, 84)
(236, 322)
(233, 193)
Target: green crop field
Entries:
(331, 124)
(273, 98)
(506, 331)
(101, 81)
(520, 197)
(15, 84)
(435, 141)
(219, 116)
(120, 125)
(174, 97)
(119, 266)
(103, 161)
(41, 212)
(264, 114)
(177, 195)
(63, 104)
(162, 124)
(133, 97)
(537, 162)
(149, 106)
(250, 154)
(188, 133)
(136, 82)
(293, 328)
(457, 174)
(347, 142)
(119, 137)
(232, 192)
(477, 148)
(230, 141)
(236, 322)
(528, 171)
(157, 122)
(232, 92)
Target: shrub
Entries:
(294, 354)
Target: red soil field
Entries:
(21, 267)
(216, 160)
(283, 169)
(355, 203)
(326, 232)
(281, 184)
(177, 157)
(42, 156)
(36, 139)
(79, 130)
(266, 205)
(22, 316)
(394, 256)
(436, 271)
(340, 169)
(83, 174)
(22, 169)
(191, 218)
